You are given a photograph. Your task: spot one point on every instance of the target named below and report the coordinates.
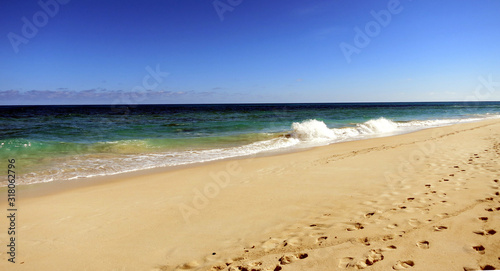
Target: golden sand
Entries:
(423, 201)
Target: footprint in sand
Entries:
(373, 257)
(368, 215)
(237, 259)
(364, 241)
(483, 218)
(293, 241)
(486, 232)
(488, 267)
(355, 226)
(346, 262)
(440, 228)
(391, 226)
(256, 264)
(244, 268)
(400, 265)
(321, 239)
(388, 237)
(287, 259)
(391, 247)
(214, 268)
(479, 248)
(423, 244)
(316, 233)
(446, 203)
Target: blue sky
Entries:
(236, 51)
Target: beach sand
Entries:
(427, 200)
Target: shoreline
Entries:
(306, 134)
(57, 186)
(273, 210)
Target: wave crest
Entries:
(311, 130)
(376, 126)
(315, 130)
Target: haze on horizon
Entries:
(242, 51)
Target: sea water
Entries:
(79, 141)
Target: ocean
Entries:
(69, 142)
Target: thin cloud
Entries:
(95, 96)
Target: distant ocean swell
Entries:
(51, 161)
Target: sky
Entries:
(248, 51)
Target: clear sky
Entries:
(247, 51)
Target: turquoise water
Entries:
(71, 142)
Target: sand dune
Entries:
(428, 200)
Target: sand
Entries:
(427, 200)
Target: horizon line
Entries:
(257, 103)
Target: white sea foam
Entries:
(380, 125)
(311, 130)
(315, 131)
(92, 165)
